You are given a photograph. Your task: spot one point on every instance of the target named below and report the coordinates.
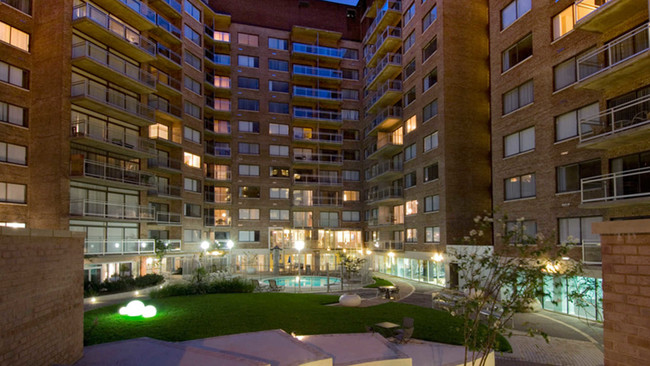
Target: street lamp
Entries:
(229, 245)
(299, 245)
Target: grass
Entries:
(190, 317)
(379, 282)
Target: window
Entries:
(249, 213)
(517, 53)
(191, 235)
(249, 148)
(275, 107)
(14, 37)
(248, 61)
(569, 176)
(430, 110)
(432, 234)
(429, 49)
(279, 193)
(577, 229)
(221, 81)
(409, 180)
(520, 187)
(191, 210)
(278, 215)
(410, 152)
(519, 142)
(248, 104)
(409, 97)
(350, 155)
(278, 44)
(409, 13)
(350, 114)
(430, 80)
(563, 22)
(522, 232)
(566, 72)
(351, 135)
(192, 35)
(248, 83)
(278, 129)
(409, 41)
(278, 65)
(430, 141)
(514, 11)
(411, 207)
(249, 192)
(248, 236)
(22, 5)
(351, 175)
(411, 235)
(350, 74)
(350, 54)
(302, 219)
(191, 134)
(15, 154)
(13, 193)
(248, 126)
(566, 125)
(350, 94)
(192, 160)
(192, 109)
(278, 86)
(411, 123)
(248, 39)
(303, 197)
(13, 114)
(221, 36)
(249, 170)
(192, 60)
(193, 11)
(351, 216)
(432, 203)
(351, 196)
(518, 97)
(14, 75)
(428, 19)
(221, 104)
(430, 172)
(409, 69)
(329, 219)
(278, 150)
(279, 171)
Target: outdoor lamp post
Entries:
(299, 245)
(229, 245)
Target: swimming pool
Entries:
(305, 281)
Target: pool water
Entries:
(305, 281)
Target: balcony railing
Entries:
(140, 8)
(316, 114)
(614, 53)
(169, 81)
(391, 86)
(211, 33)
(169, 54)
(212, 81)
(217, 221)
(591, 252)
(301, 91)
(218, 128)
(218, 175)
(217, 58)
(612, 121)
(169, 27)
(108, 210)
(383, 168)
(163, 162)
(164, 106)
(392, 59)
(318, 158)
(103, 132)
(384, 194)
(174, 4)
(333, 138)
(167, 190)
(317, 72)
(115, 63)
(385, 245)
(168, 218)
(114, 173)
(212, 197)
(218, 104)
(223, 152)
(385, 221)
(112, 98)
(392, 5)
(611, 187)
(116, 27)
(317, 50)
(316, 179)
(119, 246)
(388, 113)
(389, 32)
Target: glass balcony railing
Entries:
(109, 210)
(391, 59)
(384, 194)
(169, 27)
(617, 186)
(174, 4)
(119, 246)
(217, 58)
(111, 134)
(316, 114)
(383, 168)
(612, 121)
(317, 50)
(318, 158)
(301, 91)
(388, 113)
(169, 54)
(111, 97)
(389, 32)
(222, 152)
(114, 173)
(164, 162)
(391, 86)
(167, 190)
(389, 5)
(141, 9)
(164, 106)
(334, 138)
(382, 245)
(168, 218)
(169, 81)
(317, 72)
(316, 179)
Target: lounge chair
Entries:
(259, 287)
(394, 293)
(404, 334)
(274, 286)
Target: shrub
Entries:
(122, 284)
(234, 285)
(148, 280)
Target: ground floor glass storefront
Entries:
(422, 270)
(560, 297)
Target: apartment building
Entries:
(569, 116)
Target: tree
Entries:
(351, 264)
(497, 284)
(160, 250)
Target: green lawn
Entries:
(190, 317)
(379, 282)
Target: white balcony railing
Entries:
(112, 98)
(168, 218)
(114, 173)
(616, 186)
(108, 210)
(119, 246)
(318, 158)
(384, 194)
(383, 168)
(632, 114)
(392, 59)
(117, 135)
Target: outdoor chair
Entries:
(274, 286)
(394, 293)
(404, 334)
(259, 287)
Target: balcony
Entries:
(110, 102)
(160, 133)
(89, 57)
(217, 84)
(385, 196)
(164, 165)
(217, 61)
(218, 152)
(386, 95)
(313, 52)
(388, 220)
(219, 107)
(317, 95)
(601, 18)
(591, 253)
(168, 86)
(113, 33)
(323, 201)
(219, 176)
(167, 32)
(389, 14)
(309, 73)
(385, 245)
(319, 138)
(112, 211)
(388, 41)
(223, 221)
(111, 138)
(387, 69)
(617, 63)
(171, 8)
(216, 198)
(134, 12)
(627, 187)
(166, 191)
(94, 172)
(314, 179)
(317, 159)
(216, 39)
(221, 128)
(387, 145)
(119, 246)
(628, 123)
(386, 120)
(384, 170)
(165, 111)
(317, 115)
(168, 219)
(167, 59)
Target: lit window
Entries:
(411, 124)
(249, 213)
(563, 22)
(350, 196)
(248, 39)
(432, 234)
(192, 160)
(279, 215)
(520, 187)
(278, 129)
(411, 207)
(411, 235)
(279, 193)
(14, 36)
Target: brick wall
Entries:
(41, 297)
(626, 299)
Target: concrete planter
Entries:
(350, 300)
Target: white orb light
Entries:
(149, 311)
(299, 245)
(230, 244)
(205, 245)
